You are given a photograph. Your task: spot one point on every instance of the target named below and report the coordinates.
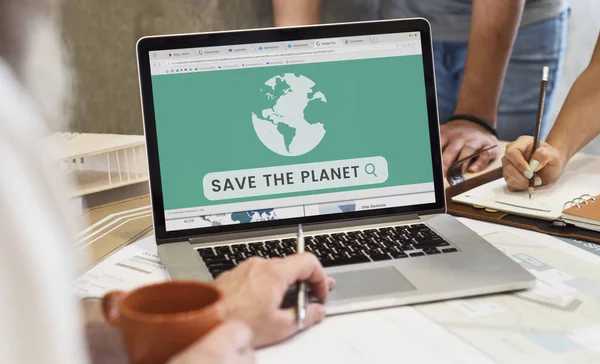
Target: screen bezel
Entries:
(157, 43)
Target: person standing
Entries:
(487, 59)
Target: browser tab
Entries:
(301, 44)
(355, 41)
(327, 43)
(238, 49)
(181, 53)
(211, 51)
(270, 47)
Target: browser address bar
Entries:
(320, 52)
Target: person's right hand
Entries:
(254, 290)
(517, 171)
(228, 343)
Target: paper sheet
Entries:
(396, 335)
(130, 267)
(546, 203)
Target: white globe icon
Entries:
(281, 125)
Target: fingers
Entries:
(542, 156)
(315, 313)
(466, 152)
(514, 178)
(483, 160)
(306, 267)
(444, 138)
(451, 152)
(331, 283)
(517, 152)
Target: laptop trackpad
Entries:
(369, 282)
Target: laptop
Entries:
(335, 127)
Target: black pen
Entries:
(300, 286)
(538, 123)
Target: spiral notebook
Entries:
(547, 202)
(583, 212)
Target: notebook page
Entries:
(546, 203)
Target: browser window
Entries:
(259, 132)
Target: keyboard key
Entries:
(327, 262)
(216, 273)
(223, 250)
(417, 254)
(222, 266)
(289, 242)
(432, 252)
(206, 252)
(449, 250)
(379, 256)
(216, 259)
(398, 254)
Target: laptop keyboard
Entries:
(337, 249)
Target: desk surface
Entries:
(557, 322)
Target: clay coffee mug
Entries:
(158, 321)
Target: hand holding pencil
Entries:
(538, 126)
(530, 162)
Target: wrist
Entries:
(226, 307)
(483, 124)
(565, 154)
(484, 113)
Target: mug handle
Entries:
(110, 307)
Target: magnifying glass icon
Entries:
(370, 169)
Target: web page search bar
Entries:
(295, 178)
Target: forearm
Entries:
(494, 26)
(579, 119)
(296, 12)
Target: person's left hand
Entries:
(461, 138)
(254, 290)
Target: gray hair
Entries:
(31, 45)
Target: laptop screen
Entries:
(271, 131)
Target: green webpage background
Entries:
(375, 107)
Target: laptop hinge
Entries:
(308, 228)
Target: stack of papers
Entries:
(131, 267)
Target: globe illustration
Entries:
(287, 122)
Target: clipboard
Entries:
(538, 225)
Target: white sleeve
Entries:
(39, 315)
